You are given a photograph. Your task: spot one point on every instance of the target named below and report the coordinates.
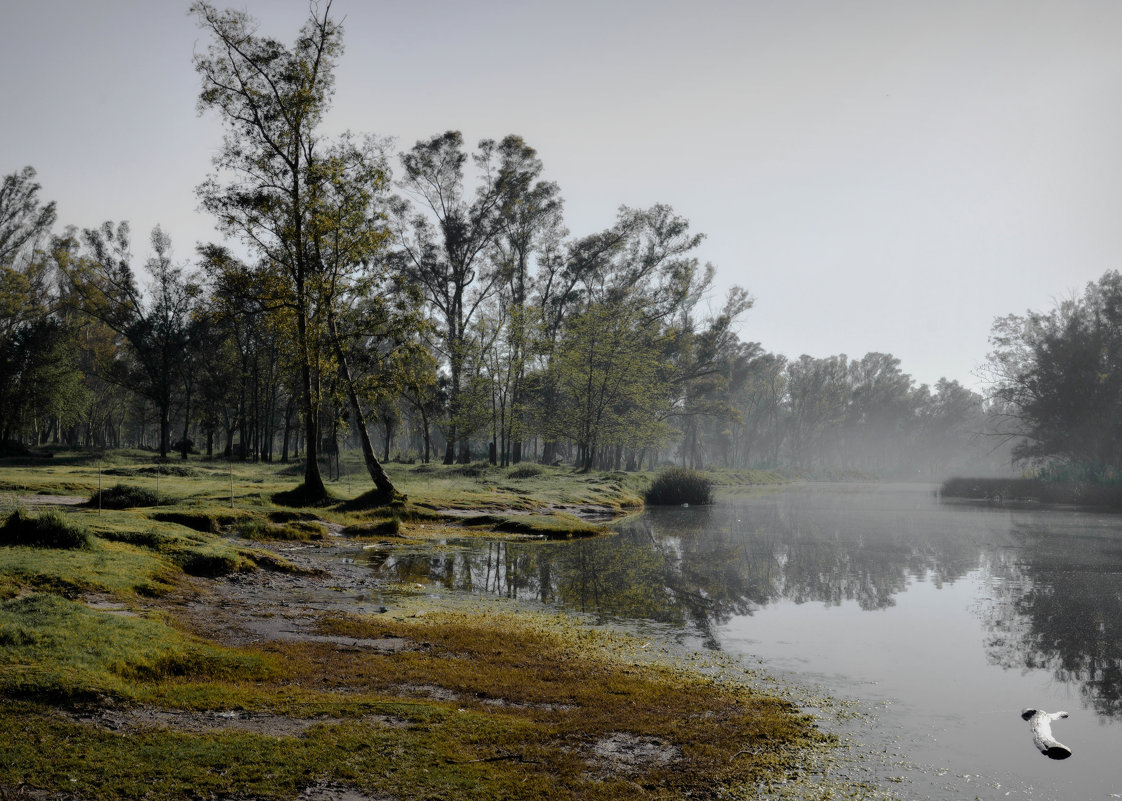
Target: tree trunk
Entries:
(373, 466)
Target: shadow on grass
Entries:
(373, 499)
(300, 497)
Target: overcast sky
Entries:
(881, 176)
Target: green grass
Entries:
(58, 650)
(48, 529)
(528, 701)
(521, 698)
(125, 496)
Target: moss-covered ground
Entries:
(168, 657)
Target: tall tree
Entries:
(446, 246)
(1059, 376)
(280, 185)
(156, 329)
(24, 220)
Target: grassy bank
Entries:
(205, 648)
(1011, 490)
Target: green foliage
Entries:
(1065, 471)
(679, 485)
(1058, 377)
(48, 529)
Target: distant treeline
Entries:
(433, 297)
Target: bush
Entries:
(49, 529)
(122, 496)
(679, 485)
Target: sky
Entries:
(880, 175)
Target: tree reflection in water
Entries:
(1058, 607)
(1056, 598)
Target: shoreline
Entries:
(286, 641)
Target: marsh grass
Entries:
(676, 486)
(290, 531)
(480, 704)
(125, 496)
(57, 650)
(48, 529)
(524, 703)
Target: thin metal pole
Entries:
(99, 489)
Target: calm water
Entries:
(942, 619)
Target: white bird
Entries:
(1041, 724)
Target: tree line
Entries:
(431, 303)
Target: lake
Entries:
(941, 620)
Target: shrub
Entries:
(123, 496)
(49, 529)
(679, 485)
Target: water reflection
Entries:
(1058, 607)
(1054, 579)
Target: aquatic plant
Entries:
(679, 485)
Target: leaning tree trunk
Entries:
(373, 466)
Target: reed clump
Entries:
(677, 486)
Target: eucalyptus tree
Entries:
(156, 328)
(37, 349)
(446, 245)
(818, 394)
(881, 414)
(25, 221)
(531, 228)
(300, 202)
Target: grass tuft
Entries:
(525, 472)
(49, 529)
(679, 485)
(124, 496)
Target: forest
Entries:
(431, 304)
